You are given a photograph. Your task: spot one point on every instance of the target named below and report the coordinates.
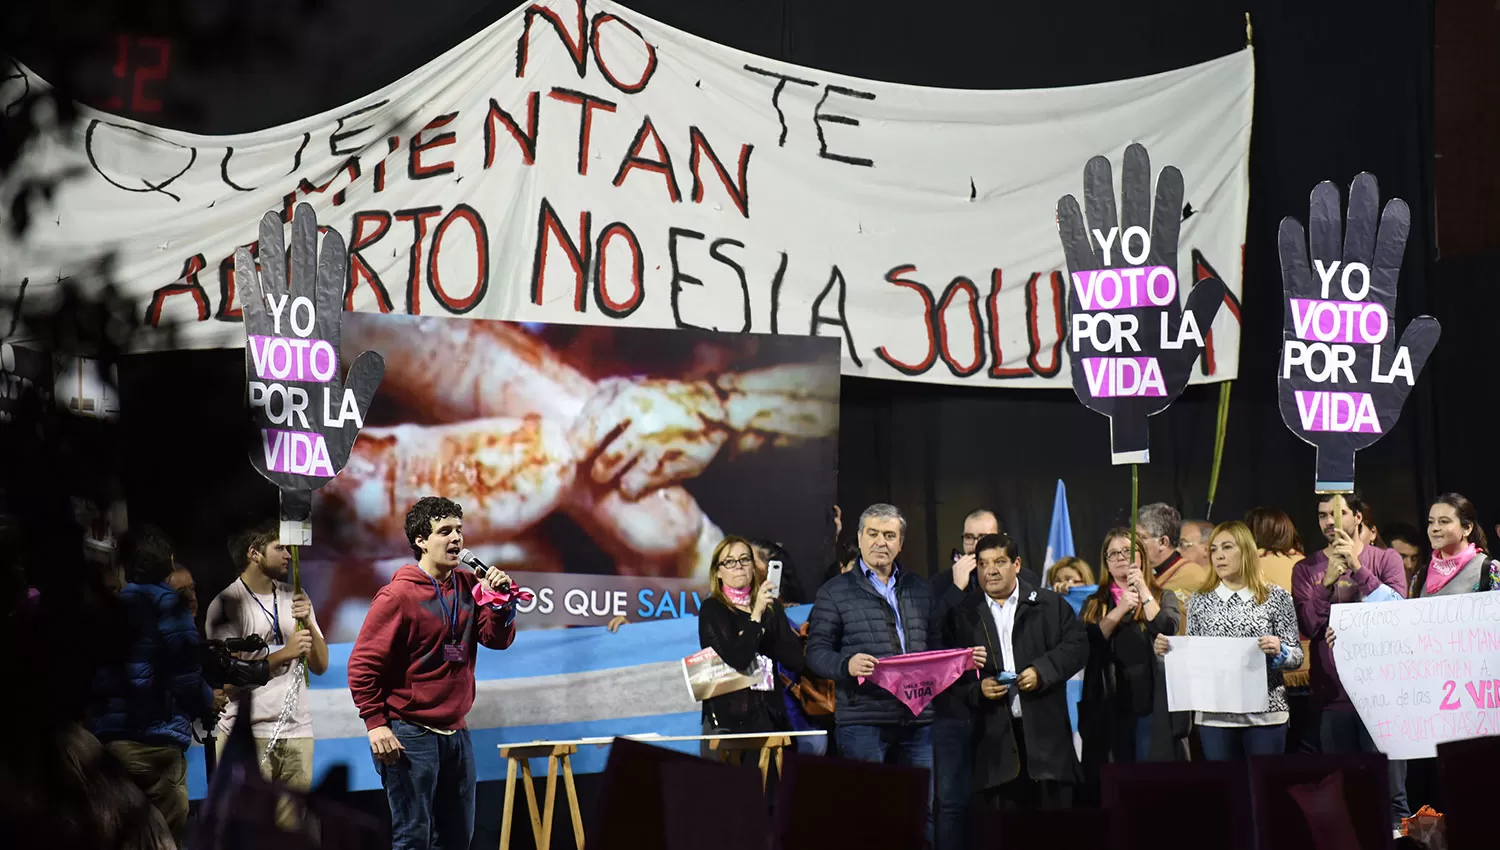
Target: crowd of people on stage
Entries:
(1003, 738)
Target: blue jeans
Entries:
(910, 746)
(1231, 743)
(953, 757)
(430, 789)
(1143, 738)
(812, 745)
(1344, 732)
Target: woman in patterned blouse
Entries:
(1237, 602)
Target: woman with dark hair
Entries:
(766, 551)
(1459, 563)
(743, 623)
(1410, 544)
(1122, 716)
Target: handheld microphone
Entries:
(480, 568)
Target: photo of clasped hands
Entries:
(524, 434)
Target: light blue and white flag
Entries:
(1060, 535)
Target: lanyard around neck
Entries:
(450, 617)
(274, 615)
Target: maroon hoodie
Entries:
(397, 670)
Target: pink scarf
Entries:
(1116, 591)
(1442, 570)
(916, 678)
(736, 595)
(504, 596)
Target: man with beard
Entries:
(261, 602)
(1347, 571)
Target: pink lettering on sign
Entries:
(296, 453)
(1321, 410)
(1482, 694)
(279, 358)
(1339, 321)
(1125, 289)
(1109, 377)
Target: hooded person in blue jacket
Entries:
(144, 708)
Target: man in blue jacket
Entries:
(870, 612)
(144, 707)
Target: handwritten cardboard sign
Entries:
(1131, 344)
(305, 415)
(1342, 381)
(1421, 671)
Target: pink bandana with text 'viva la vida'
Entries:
(916, 678)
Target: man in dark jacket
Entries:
(1024, 754)
(873, 611)
(144, 708)
(952, 739)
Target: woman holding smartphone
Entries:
(1123, 716)
(742, 621)
(1238, 602)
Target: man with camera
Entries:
(144, 706)
(261, 602)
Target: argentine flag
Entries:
(1060, 535)
(1060, 545)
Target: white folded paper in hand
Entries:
(1218, 674)
(708, 676)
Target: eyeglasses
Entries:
(1117, 555)
(743, 562)
(972, 538)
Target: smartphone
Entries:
(1005, 677)
(773, 577)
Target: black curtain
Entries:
(1341, 87)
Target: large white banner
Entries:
(591, 166)
(1421, 671)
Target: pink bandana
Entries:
(916, 678)
(736, 595)
(1442, 570)
(507, 595)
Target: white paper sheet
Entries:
(1223, 674)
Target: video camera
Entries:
(222, 667)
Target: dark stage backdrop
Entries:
(1342, 87)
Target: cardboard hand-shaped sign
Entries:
(1341, 381)
(1131, 346)
(305, 416)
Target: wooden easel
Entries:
(541, 822)
(769, 747)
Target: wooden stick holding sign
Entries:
(304, 414)
(1341, 382)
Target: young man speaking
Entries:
(412, 678)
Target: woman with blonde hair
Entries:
(1237, 601)
(1122, 716)
(1068, 573)
(742, 621)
